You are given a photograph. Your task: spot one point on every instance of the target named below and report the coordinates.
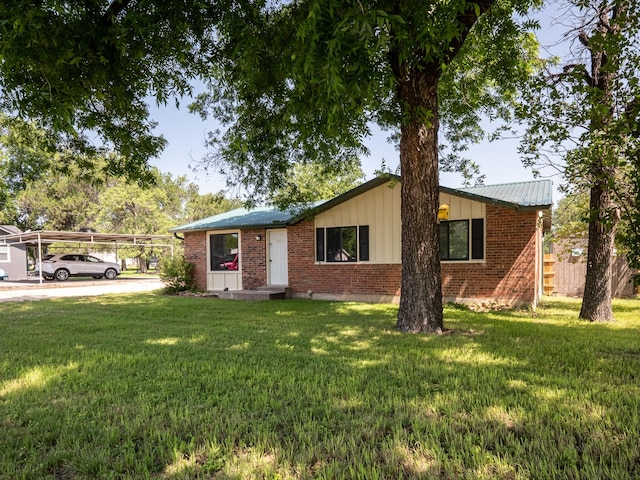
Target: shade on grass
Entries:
(147, 386)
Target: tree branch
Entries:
(110, 14)
(570, 71)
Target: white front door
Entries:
(278, 265)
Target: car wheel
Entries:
(97, 277)
(62, 274)
(110, 274)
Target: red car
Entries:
(230, 263)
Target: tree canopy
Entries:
(298, 82)
(89, 67)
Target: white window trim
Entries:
(8, 248)
(223, 232)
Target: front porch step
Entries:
(262, 293)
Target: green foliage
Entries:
(151, 386)
(571, 217)
(584, 118)
(177, 274)
(203, 206)
(312, 182)
(82, 197)
(300, 83)
(91, 65)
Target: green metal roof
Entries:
(258, 217)
(533, 195)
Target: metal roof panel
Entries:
(535, 193)
(240, 218)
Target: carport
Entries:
(44, 237)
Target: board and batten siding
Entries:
(462, 208)
(379, 208)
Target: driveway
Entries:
(34, 290)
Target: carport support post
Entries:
(40, 257)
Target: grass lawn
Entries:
(149, 386)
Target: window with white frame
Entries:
(223, 252)
(4, 253)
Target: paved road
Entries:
(33, 290)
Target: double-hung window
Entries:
(462, 240)
(4, 253)
(342, 244)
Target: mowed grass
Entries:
(150, 386)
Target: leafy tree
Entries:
(571, 218)
(297, 82)
(203, 206)
(90, 66)
(587, 114)
(312, 182)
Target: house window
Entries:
(4, 253)
(462, 240)
(342, 244)
(223, 252)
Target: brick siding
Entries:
(195, 251)
(253, 259)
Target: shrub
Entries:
(177, 274)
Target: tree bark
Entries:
(596, 300)
(421, 295)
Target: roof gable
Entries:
(522, 196)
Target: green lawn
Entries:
(150, 386)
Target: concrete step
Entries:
(260, 294)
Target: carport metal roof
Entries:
(40, 237)
(49, 236)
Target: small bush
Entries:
(177, 274)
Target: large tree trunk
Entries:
(421, 297)
(596, 301)
(603, 214)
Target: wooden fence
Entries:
(566, 276)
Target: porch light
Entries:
(258, 237)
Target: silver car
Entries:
(64, 265)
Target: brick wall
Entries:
(195, 251)
(355, 280)
(253, 258)
(508, 273)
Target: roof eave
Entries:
(493, 201)
(229, 227)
